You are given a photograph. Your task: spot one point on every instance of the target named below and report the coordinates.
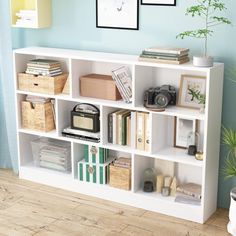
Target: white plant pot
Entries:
(203, 61)
(232, 213)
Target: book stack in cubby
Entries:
(119, 127)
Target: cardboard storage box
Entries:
(99, 86)
(94, 154)
(42, 84)
(38, 117)
(94, 173)
(120, 177)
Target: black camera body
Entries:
(160, 97)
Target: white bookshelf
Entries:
(144, 75)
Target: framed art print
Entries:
(182, 128)
(159, 2)
(117, 14)
(189, 84)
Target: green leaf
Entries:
(222, 20)
(200, 33)
(196, 10)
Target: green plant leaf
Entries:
(229, 138)
(200, 33)
(199, 10)
(221, 20)
(229, 169)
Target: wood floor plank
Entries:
(28, 208)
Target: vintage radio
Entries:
(85, 117)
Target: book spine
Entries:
(114, 128)
(119, 130)
(128, 131)
(124, 131)
(110, 128)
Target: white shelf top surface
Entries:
(106, 57)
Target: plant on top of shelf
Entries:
(207, 10)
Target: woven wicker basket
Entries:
(38, 117)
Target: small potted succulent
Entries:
(229, 140)
(207, 10)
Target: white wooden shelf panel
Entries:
(177, 155)
(105, 57)
(51, 134)
(152, 201)
(58, 96)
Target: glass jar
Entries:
(193, 143)
(149, 180)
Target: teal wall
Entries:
(74, 27)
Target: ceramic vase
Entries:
(232, 213)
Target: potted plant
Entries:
(207, 10)
(229, 140)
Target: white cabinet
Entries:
(144, 75)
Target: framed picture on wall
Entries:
(189, 85)
(182, 128)
(159, 2)
(117, 14)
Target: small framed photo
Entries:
(117, 14)
(182, 128)
(159, 2)
(190, 84)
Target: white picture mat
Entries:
(158, 1)
(109, 16)
(183, 128)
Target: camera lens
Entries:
(162, 99)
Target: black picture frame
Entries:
(159, 4)
(116, 27)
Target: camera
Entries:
(160, 97)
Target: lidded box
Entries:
(42, 84)
(93, 172)
(99, 86)
(93, 154)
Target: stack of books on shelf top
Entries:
(26, 18)
(44, 67)
(189, 193)
(165, 55)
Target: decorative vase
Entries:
(203, 61)
(232, 213)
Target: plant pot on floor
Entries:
(232, 213)
(203, 61)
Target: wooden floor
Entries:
(32, 209)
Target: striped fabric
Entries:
(93, 173)
(94, 154)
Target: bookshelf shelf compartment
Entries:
(40, 13)
(162, 151)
